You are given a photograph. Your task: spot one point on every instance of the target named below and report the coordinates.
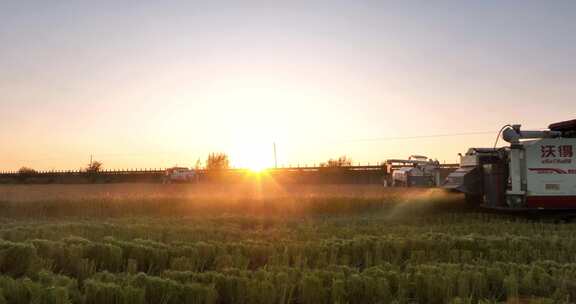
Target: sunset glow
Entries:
(257, 167)
(255, 151)
(155, 84)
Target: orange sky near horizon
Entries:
(153, 85)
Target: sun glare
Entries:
(253, 157)
(255, 163)
(257, 168)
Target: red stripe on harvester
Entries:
(541, 170)
(551, 202)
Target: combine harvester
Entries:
(179, 175)
(416, 171)
(536, 172)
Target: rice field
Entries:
(258, 243)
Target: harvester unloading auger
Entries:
(536, 172)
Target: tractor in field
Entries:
(537, 171)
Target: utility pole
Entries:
(90, 160)
(275, 158)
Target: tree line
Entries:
(214, 161)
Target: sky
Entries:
(149, 84)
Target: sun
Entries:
(257, 167)
(256, 158)
(255, 163)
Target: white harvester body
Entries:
(543, 173)
(537, 171)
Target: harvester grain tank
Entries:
(537, 171)
(416, 171)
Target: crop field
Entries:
(269, 244)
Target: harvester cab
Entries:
(536, 171)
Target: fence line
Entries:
(137, 171)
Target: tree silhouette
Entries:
(342, 161)
(94, 167)
(26, 171)
(217, 161)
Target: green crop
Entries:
(325, 250)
